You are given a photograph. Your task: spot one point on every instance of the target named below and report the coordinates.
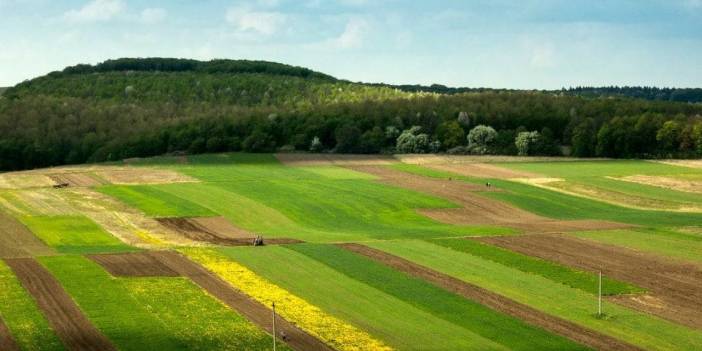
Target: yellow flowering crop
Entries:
(331, 330)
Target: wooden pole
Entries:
(273, 326)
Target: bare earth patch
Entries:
(240, 302)
(24, 180)
(494, 301)
(683, 163)
(477, 209)
(294, 159)
(139, 175)
(16, 240)
(66, 319)
(7, 342)
(217, 231)
(675, 290)
(76, 179)
(679, 184)
(140, 264)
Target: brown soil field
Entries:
(216, 230)
(140, 264)
(240, 302)
(476, 209)
(294, 159)
(683, 163)
(7, 343)
(64, 316)
(674, 289)
(16, 240)
(76, 179)
(679, 184)
(139, 175)
(494, 301)
(482, 170)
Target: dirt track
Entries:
(75, 179)
(235, 299)
(16, 240)
(495, 301)
(7, 343)
(477, 209)
(675, 290)
(140, 264)
(216, 231)
(66, 319)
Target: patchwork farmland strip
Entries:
(477, 209)
(194, 229)
(495, 301)
(7, 343)
(140, 264)
(674, 288)
(16, 240)
(254, 311)
(69, 322)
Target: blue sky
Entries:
(502, 44)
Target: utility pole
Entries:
(273, 326)
(599, 297)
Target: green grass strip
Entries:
(155, 202)
(197, 319)
(582, 280)
(637, 328)
(506, 330)
(22, 317)
(74, 234)
(109, 305)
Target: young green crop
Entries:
(73, 234)
(582, 280)
(637, 328)
(154, 201)
(503, 329)
(19, 312)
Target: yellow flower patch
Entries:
(331, 330)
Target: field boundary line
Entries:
(7, 342)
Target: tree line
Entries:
(112, 115)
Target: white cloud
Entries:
(353, 35)
(153, 15)
(261, 22)
(96, 10)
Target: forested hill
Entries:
(142, 107)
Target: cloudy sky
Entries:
(491, 43)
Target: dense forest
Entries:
(142, 107)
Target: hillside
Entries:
(142, 107)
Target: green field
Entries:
(582, 280)
(73, 234)
(572, 304)
(22, 317)
(154, 201)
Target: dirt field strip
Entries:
(16, 240)
(482, 170)
(674, 290)
(141, 175)
(67, 320)
(477, 209)
(240, 302)
(7, 343)
(76, 179)
(216, 230)
(679, 184)
(682, 163)
(495, 301)
(140, 264)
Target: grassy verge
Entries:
(23, 318)
(575, 305)
(73, 234)
(503, 329)
(585, 281)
